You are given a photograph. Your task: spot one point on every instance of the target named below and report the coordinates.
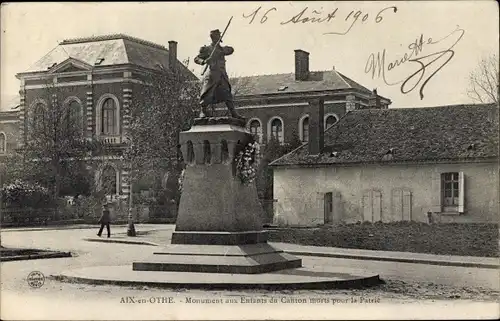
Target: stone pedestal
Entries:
(218, 226)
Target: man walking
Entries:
(216, 86)
(105, 220)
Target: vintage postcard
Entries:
(249, 160)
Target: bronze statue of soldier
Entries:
(216, 87)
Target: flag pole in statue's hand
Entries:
(218, 42)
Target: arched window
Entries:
(256, 130)
(109, 126)
(304, 130)
(277, 129)
(38, 118)
(3, 143)
(109, 180)
(74, 115)
(330, 121)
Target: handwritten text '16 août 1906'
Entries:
(320, 16)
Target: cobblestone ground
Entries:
(59, 300)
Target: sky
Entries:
(429, 48)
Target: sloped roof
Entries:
(9, 101)
(9, 115)
(318, 81)
(413, 134)
(114, 49)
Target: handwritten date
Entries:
(314, 16)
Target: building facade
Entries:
(98, 78)
(277, 105)
(9, 138)
(436, 164)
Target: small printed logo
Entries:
(36, 279)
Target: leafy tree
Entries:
(272, 151)
(12, 168)
(55, 152)
(20, 193)
(163, 109)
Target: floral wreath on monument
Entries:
(247, 162)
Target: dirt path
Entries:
(57, 300)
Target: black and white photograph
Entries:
(272, 160)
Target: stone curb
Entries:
(37, 256)
(344, 256)
(319, 285)
(395, 259)
(60, 228)
(53, 228)
(131, 242)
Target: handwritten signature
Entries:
(376, 63)
(318, 16)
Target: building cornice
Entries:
(307, 95)
(390, 163)
(87, 83)
(285, 105)
(112, 37)
(9, 121)
(96, 70)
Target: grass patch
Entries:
(445, 239)
(15, 254)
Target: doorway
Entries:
(328, 208)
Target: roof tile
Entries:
(114, 49)
(318, 81)
(413, 134)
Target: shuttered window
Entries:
(448, 192)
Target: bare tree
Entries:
(241, 85)
(483, 81)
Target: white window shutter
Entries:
(461, 192)
(406, 205)
(367, 206)
(319, 209)
(435, 192)
(337, 206)
(397, 204)
(377, 206)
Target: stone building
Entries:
(9, 137)
(277, 105)
(98, 78)
(420, 164)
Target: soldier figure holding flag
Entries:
(216, 87)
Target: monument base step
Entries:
(233, 259)
(219, 238)
(321, 277)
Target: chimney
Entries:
(301, 65)
(316, 126)
(172, 54)
(374, 101)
